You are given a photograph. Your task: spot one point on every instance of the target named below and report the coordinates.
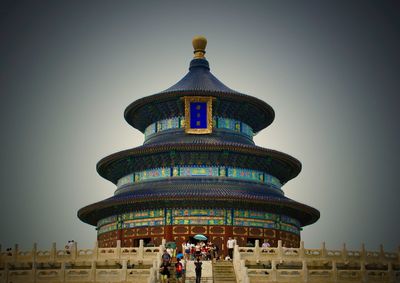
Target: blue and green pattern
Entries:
(107, 228)
(111, 219)
(143, 223)
(230, 217)
(143, 214)
(179, 122)
(196, 171)
(255, 223)
(198, 212)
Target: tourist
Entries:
(187, 250)
(265, 244)
(9, 252)
(178, 270)
(183, 261)
(197, 250)
(179, 254)
(197, 269)
(170, 251)
(69, 247)
(166, 257)
(215, 251)
(230, 244)
(183, 248)
(164, 272)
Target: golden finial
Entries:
(199, 44)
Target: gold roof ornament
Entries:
(199, 44)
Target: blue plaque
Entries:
(198, 115)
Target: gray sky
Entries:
(330, 70)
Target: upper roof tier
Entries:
(199, 81)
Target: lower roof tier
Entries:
(198, 194)
(120, 164)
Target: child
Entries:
(178, 270)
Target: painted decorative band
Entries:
(179, 122)
(160, 217)
(206, 171)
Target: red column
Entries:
(168, 233)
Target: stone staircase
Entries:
(218, 272)
(223, 272)
(190, 276)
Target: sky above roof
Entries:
(330, 70)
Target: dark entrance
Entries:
(146, 241)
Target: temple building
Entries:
(199, 170)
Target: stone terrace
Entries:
(250, 265)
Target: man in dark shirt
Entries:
(198, 268)
(164, 272)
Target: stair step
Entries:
(223, 272)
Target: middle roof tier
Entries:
(237, 155)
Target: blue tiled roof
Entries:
(199, 78)
(196, 194)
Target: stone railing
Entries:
(280, 264)
(119, 264)
(251, 265)
(239, 265)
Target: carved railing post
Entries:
(124, 270)
(304, 270)
(158, 259)
(33, 270)
(63, 275)
(323, 250)
(93, 271)
(257, 250)
(280, 249)
(274, 275)
(334, 271)
(301, 250)
(391, 275)
(363, 253)
(141, 249)
(34, 253)
(243, 273)
(363, 260)
(364, 277)
(53, 252)
(344, 252)
(118, 250)
(6, 272)
(381, 253)
(15, 253)
(74, 251)
(95, 255)
(398, 254)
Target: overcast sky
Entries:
(330, 70)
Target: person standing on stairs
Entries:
(230, 245)
(179, 270)
(198, 269)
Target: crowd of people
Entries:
(200, 249)
(196, 251)
(191, 250)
